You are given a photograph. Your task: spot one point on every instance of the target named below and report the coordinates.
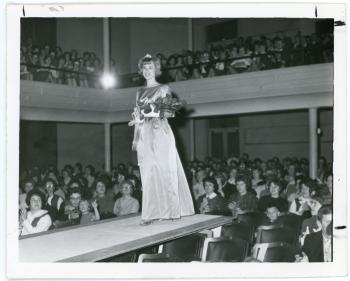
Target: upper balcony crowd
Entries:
(52, 64)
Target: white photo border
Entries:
(15, 269)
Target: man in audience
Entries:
(274, 198)
(318, 245)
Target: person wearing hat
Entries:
(36, 219)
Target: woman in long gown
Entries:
(166, 194)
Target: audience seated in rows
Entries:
(52, 64)
(253, 192)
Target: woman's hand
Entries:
(232, 205)
(23, 215)
(94, 204)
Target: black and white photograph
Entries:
(200, 140)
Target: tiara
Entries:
(147, 56)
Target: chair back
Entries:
(127, 257)
(292, 221)
(225, 249)
(274, 252)
(156, 258)
(240, 230)
(252, 218)
(187, 248)
(274, 233)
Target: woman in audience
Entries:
(137, 190)
(300, 206)
(89, 174)
(105, 203)
(68, 67)
(310, 225)
(126, 204)
(36, 219)
(211, 202)
(242, 200)
(256, 178)
(54, 203)
(230, 186)
(198, 185)
(274, 198)
(28, 185)
(329, 182)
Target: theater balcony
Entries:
(289, 88)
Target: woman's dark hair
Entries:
(311, 184)
(102, 180)
(92, 169)
(54, 183)
(213, 181)
(37, 192)
(75, 190)
(28, 180)
(74, 181)
(275, 181)
(324, 210)
(135, 179)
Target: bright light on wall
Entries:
(108, 81)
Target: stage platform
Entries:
(108, 238)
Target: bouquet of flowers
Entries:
(163, 107)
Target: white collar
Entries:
(211, 195)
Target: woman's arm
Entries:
(134, 207)
(116, 209)
(96, 213)
(43, 225)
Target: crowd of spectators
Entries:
(51, 64)
(229, 187)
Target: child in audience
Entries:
(272, 216)
(86, 214)
(126, 204)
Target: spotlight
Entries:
(107, 81)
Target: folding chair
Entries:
(156, 258)
(224, 249)
(188, 248)
(274, 252)
(274, 233)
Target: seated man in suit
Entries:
(318, 245)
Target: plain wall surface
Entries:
(284, 134)
(78, 142)
(82, 34)
(121, 141)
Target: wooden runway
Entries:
(110, 238)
